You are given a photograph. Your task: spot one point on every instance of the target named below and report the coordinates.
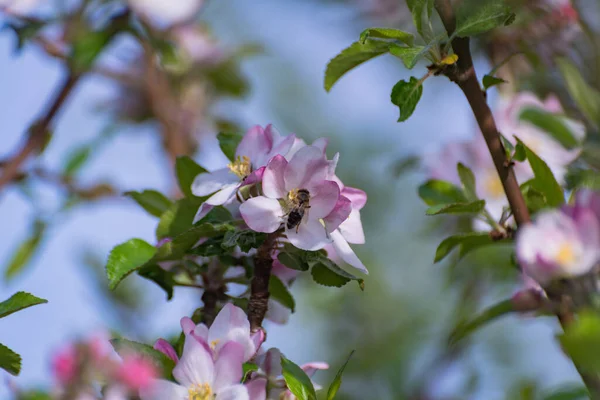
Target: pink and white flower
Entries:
(167, 12)
(200, 376)
(282, 180)
(258, 146)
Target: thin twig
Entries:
(259, 286)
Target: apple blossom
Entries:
(282, 183)
(253, 153)
(167, 12)
(136, 372)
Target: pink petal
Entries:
(343, 249)
(298, 144)
(228, 367)
(165, 347)
(210, 182)
(272, 363)
(273, 183)
(285, 274)
(277, 313)
(339, 214)
(187, 325)
(196, 364)
(253, 145)
(279, 144)
(161, 390)
(257, 389)
(307, 168)
(357, 197)
(258, 339)
(225, 195)
(312, 367)
(332, 165)
(323, 199)
(321, 143)
(202, 212)
(254, 177)
(231, 324)
(235, 392)
(352, 229)
(311, 235)
(201, 332)
(262, 214)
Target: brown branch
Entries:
(259, 286)
(465, 77)
(39, 131)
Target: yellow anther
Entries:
(214, 343)
(292, 194)
(200, 392)
(565, 254)
(241, 167)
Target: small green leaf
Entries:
(457, 208)
(568, 392)
(496, 311)
(9, 360)
(434, 192)
(387, 33)
(409, 55)
(126, 347)
(76, 160)
(154, 202)
(581, 341)
(178, 218)
(247, 368)
(551, 124)
(293, 261)
(228, 142)
(297, 381)
(467, 242)
(489, 81)
(583, 178)
(186, 170)
(163, 278)
(520, 154)
(478, 16)
(406, 95)
(19, 301)
(534, 199)
(417, 8)
(176, 248)
(126, 258)
(586, 97)
(544, 179)
(87, 46)
(280, 293)
(326, 277)
(25, 252)
(467, 178)
(352, 57)
(508, 147)
(337, 381)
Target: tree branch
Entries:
(259, 287)
(465, 77)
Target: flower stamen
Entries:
(565, 255)
(241, 167)
(200, 392)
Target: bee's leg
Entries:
(238, 196)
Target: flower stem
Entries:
(259, 286)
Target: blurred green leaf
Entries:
(417, 9)
(337, 381)
(178, 218)
(280, 293)
(478, 16)
(570, 392)
(494, 312)
(245, 239)
(544, 179)
(34, 395)
(406, 95)
(352, 57)
(126, 258)
(228, 142)
(25, 31)
(586, 97)
(126, 347)
(176, 248)
(490, 81)
(435, 192)
(297, 381)
(467, 242)
(582, 178)
(387, 33)
(154, 202)
(9, 360)
(25, 251)
(186, 170)
(163, 278)
(228, 80)
(76, 160)
(581, 341)
(534, 199)
(467, 179)
(457, 208)
(19, 301)
(551, 124)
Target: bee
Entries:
(299, 207)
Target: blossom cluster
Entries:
(297, 193)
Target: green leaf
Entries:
(551, 124)
(297, 381)
(186, 170)
(491, 314)
(178, 218)
(478, 16)
(246, 240)
(337, 381)
(406, 95)
(176, 248)
(417, 8)
(25, 252)
(293, 261)
(154, 202)
(568, 392)
(228, 79)
(586, 97)
(508, 147)
(125, 347)
(387, 33)
(280, 293)
(326, 277)
(520, 153)
(583, 178)
(457, 208)
(467, 242)
(581, 341)
(19, 301)
(352, 57)
(76, 160)
(247, 368)
(9, 360)
(434, 192)
(228, 142)
(467, 178)
(534, 199)
(544, 179)
(34, 395)
(126, 258)
(489, 81)
(87, 46)
(25, 31)
(409, 55)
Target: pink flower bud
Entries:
(64, 365)
(136, 373)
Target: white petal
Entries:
(228, 367)
(196, 364)
(209, 182)
(225, 195)
(161, 390)
(343, 249)
(262, 214)
(166, 11)
(311, 235)
(352, 230)
(234, 392)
